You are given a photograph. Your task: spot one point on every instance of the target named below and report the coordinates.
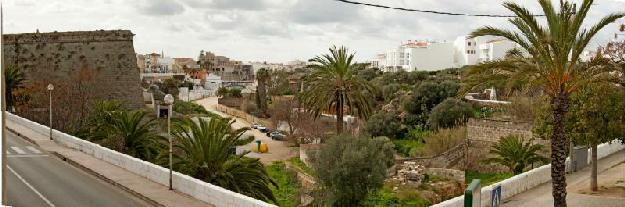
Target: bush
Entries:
(450, 113)
(444, 140)
(348, 168)
(384, 124)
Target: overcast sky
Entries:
(271, 30)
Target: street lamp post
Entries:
(50, 89)
(169, 100)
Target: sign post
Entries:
(472, 195)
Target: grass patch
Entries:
(386, 197)
(486, 178)
(296, 162)
(408, 147)
(288, 188)
(190, 108)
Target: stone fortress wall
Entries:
(61, 56)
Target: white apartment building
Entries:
(471, 51)
(433, 56)
(416, 55)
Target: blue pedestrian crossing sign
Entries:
(495, 198)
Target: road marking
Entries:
(30, 186)
(18, 150)
(32, 149)
(18, 156)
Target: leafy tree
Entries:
(334, 85)
(512, 152)
(450, 113)
(384, 124)
(132, 134)
(204, 152)
(14, 80)
(555, 49)
(95, 125)
(598, 112)
(262, 77)
(349, 168)
(426, 96)
(223, 91)
(369, 74)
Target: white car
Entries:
(261, 128)
(255, 126)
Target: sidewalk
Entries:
(609, 169)
(154, 193)
(278, 150)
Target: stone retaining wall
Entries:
(195, 188)
(492, 130)
(448, 159)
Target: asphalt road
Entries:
(35, 178)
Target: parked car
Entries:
(262, 128)
(255, 125)
(268, 131)
(277, 135)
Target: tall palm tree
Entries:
(515, 154)
(132, 134)
(262, 76)
(204, 151)
(334, 85)
(555, 49)
(14, 79)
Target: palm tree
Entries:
(132, 134)
(262, 76)
(516, 155)
(204, 151)
(334, 85)
(555, 49)
(14, 79)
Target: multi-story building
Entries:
(432, 56)
(417, 55)
(471, 51)
(227, 69)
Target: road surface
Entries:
(36, 178)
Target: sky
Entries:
(270, 30)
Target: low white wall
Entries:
(527, 180)
(195, 188)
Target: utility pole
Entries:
(3, 106)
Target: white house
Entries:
(471, 51)
(417, 55)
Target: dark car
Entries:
(268, 132)
(277, 135)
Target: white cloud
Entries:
(273, 30)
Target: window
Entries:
(468, 51)
(469, 43)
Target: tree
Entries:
(14, 80)
(425, 96)
(348, 168)
(598, 111)
(223, 91)
(284, 110)
(384, 124)
(132, 134)
(555, 49)
(335, 85)
(450, 113)
(512, 152)
(95, 125)
(204, 151)
(262, 77)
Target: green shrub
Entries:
(190, 108)
(450, 113)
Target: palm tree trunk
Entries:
(593, 171)
(560, 104)
(339, 114)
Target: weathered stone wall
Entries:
(491, 130)
(451, 159)
(61, 56)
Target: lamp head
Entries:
(168, 99)
(50, 87)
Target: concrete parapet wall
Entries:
(527, 180)
(195, 188)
